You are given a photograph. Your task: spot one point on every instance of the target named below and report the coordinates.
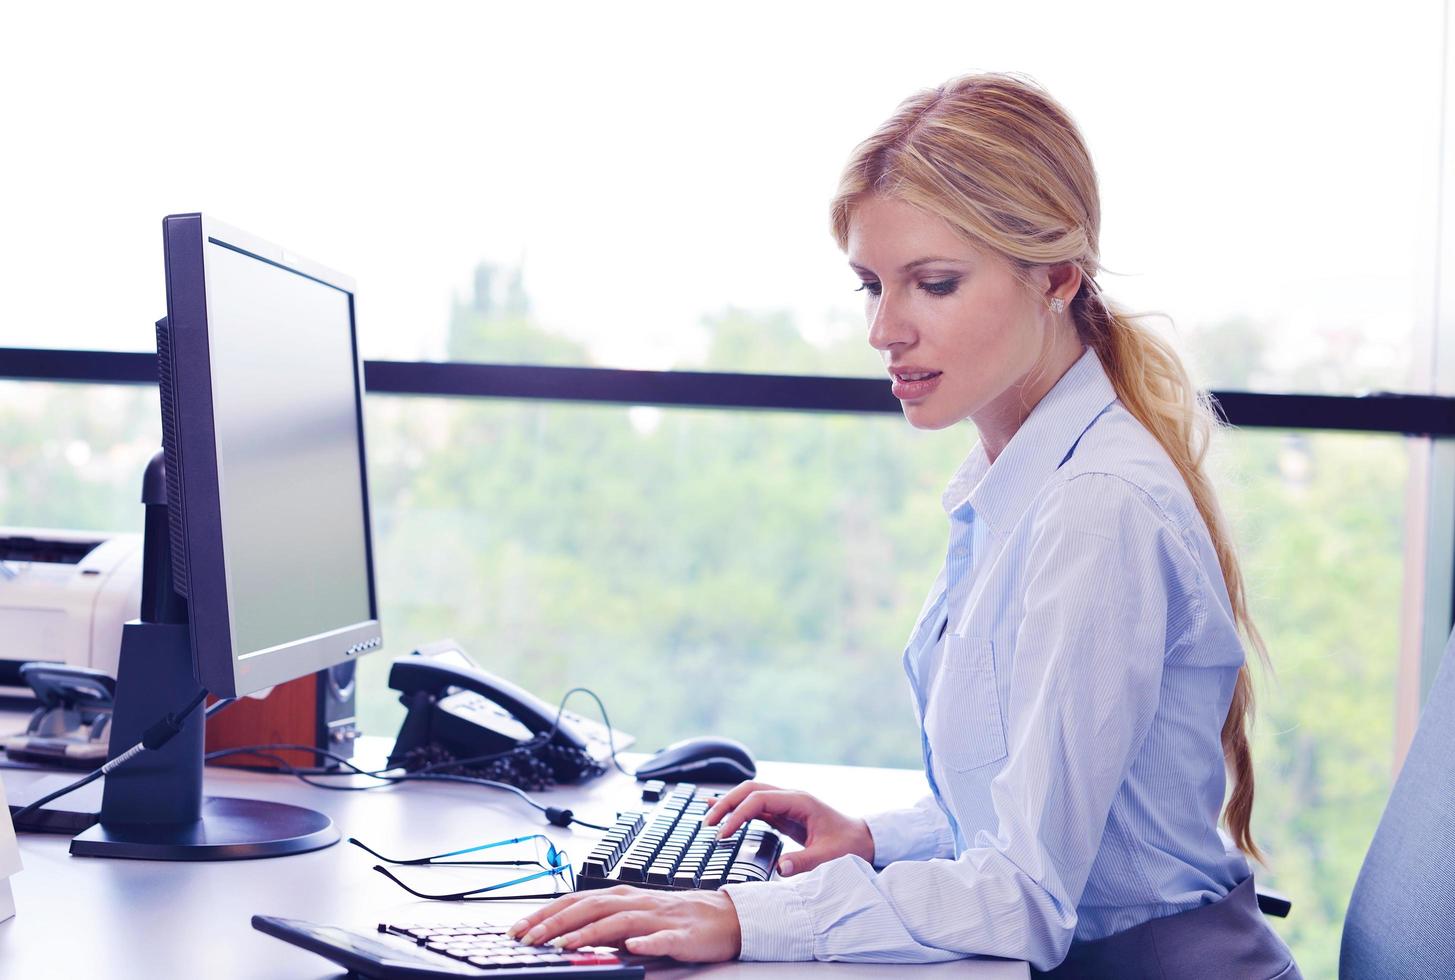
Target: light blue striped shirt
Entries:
(1071, 669)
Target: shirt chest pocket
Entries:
(962, 715)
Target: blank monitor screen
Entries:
(291, 490)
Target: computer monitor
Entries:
(262, 421)
(258, 551)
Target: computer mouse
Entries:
(707, 759)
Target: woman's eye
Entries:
(942, 287)
(872, 287)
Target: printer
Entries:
(64, 596)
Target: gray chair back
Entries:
(1401, 920)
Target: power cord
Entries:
(153, 738)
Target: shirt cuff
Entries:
(773, 921)
(908, 835)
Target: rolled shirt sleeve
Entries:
(1102, 565)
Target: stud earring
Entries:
(1057, 305)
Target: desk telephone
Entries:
(457, 711)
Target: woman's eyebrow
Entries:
(926, 261)
(909, 266)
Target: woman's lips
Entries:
(906, 390)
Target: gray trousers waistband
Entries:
(1227, 938)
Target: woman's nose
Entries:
(887, 327)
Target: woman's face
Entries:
(959, 333)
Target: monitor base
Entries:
(230, 830)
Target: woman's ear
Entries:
(1063, 281)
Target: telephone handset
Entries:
(458, 711)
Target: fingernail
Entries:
(518, 928)
(633, 942)
(785, 867)
(533, 938)
(722, 832)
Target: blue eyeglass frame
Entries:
(558, 864)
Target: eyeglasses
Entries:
(555, 864)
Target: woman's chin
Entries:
(923, 417)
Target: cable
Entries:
(153, 738)
(163, 731)
(539, 739)
(557, 816)
(25, 811)
(536, 741)
(605, 720)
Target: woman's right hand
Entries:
(824, 832)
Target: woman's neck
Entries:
(999, 421)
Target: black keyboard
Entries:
(670, 848)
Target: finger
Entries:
(544, 912)
(571, 917)
(612, 929)
(731, 799)
(752, 805)
(667, 942)
(777, 802)
(588, 909)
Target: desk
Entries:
(97, 918)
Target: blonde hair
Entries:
(1003, 163)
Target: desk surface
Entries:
(121, 919)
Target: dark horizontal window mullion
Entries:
(1424, 415)
(93, 366)
(626, 387)
(1411, 415)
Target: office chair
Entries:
(1401, 919)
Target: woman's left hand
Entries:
(693, 926)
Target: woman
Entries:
(1078, 667)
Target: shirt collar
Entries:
(999, 493)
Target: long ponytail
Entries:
(1152, 384)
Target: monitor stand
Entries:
(152, 807)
